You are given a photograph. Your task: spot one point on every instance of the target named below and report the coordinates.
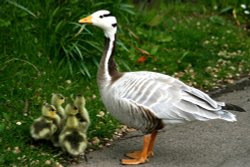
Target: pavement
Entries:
(214, 143)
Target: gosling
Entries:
(57, 100)
(83, 115)
(72, 139)
(47, 124)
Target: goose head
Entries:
(102, 19)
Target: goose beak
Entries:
(86, 20)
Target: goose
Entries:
(71, 138)
(145, 100)
(83, 115)
(47, 124)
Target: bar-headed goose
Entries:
(148, 100)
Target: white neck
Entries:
(109, 33)
(104, 71)
(108, 55)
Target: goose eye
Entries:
(101, 16)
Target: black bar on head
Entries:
(107, 15)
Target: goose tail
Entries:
(227, 116)
(233, 107)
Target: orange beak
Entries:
(86, 20)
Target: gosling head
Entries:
(80, 100)
(48, 110)
(57, 99)
(71, 109)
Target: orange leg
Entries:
(140, 157)
(136, 154)
(151, 146)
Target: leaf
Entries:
(6, 116)
(226, 9)
(144, 52)
(217, 20)
(98, 4)
(78, 51)
(4, 23)
(54, 13)
(164, 39)
(95, 62)
(127, 8)
(126, 65)
(58, 26)
(70, 67)
(94, 45)
(21, 7)
(155, 49)
(122, 45)
(86, 71)
(79, 31)
(156, 20)
(183, 56)
(133, 34)
(2, 127)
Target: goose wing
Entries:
(168, 98)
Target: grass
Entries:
(43, 52)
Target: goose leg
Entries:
(142, 156)
(136, 154)
(151, 146)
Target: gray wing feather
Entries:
(169, 99)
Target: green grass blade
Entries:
(78, 51)
(21, 7)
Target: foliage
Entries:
(53, 31)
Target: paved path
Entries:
(214, 143)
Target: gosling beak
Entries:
(53, 114)
(86, 20)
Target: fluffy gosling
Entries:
(71, 138)
(57, 100)
(47, 124)
(83, 115)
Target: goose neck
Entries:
(107, 67)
